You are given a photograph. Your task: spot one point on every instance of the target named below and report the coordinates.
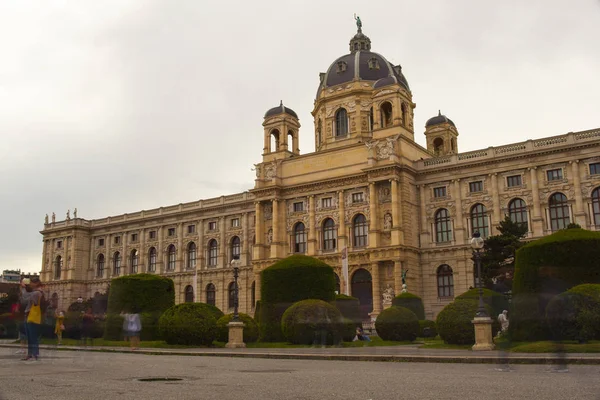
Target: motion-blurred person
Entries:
(132, 326)
(60, 326)
(87, 323)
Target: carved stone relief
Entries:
(268, 211)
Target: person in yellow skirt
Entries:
(60, 326)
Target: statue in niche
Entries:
(387, 221)
(388, 294)
(270, 236)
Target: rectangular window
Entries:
(235, 223)
(171, 232)
(475, 187)
(327, 202)
(439, 191)
(59, 244)
(513, 181)
(595, 169)
(191, 228)
(554, 174)
(117, 239)
(134, 237)
(152, 234)
(212, 226)
(357, 197)
(101, 242)
(299, 206)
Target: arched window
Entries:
(290, 141)
(274, 140)
(445, 281)
(117, 263)
(191, 256)
(559, 211)
(596, 206)
(152, 260)
(329, 235)
(438, 145)
(443, 227)
(386, 115)
(172, 257)
(517, 212)
(135, 260)
(479, 220)
(58, 262)
(231, 297)
(210, 294)
(189, 294)
(253, 295)
(341, 122)
(236, 246)
(213, 253)
(359, 230)
(319, 132)
(299, 238)
(453, 144)
(404, 111)
(100, 266)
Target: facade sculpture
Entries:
(392, 204)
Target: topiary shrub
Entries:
(545, 268)
(257, 312)
(349, 307)
(454, 324)
(313, 321)
(398, 324)
(411, 301)
(575, 314)
(188, 324)
(250, 328)
(427, 329)
(493, 299)
(288, 281)
(145, 293)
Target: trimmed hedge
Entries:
(290, 280)
(397, 323)
(427, 329)
(250, 328)
(148, 294)
(73, 323)
(349, 307)
(575, 314)
(493, 299)
(188, 324)
(313, 322)
(411, 301)
(454, 322)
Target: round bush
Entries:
(397, 323)
(575, 314)
(494, 299)
(547, 267)
(188, 324)
(427, 329)
(313, 321)
(287, 281)
(349, 307)
(411, 301)
(144, 293)
(454, 322)
(250, 328)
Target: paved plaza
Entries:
(96, 375)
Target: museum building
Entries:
(368, 188)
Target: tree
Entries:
(498, 258)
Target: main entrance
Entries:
(362, 289)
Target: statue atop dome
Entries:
(358, 23)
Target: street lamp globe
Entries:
(477, 241)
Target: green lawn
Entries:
(551, 347)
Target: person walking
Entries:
(33, 316)
(60, 326)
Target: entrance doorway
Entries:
(362, 289)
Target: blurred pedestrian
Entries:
(87, 323)
(132, 326)
(60, 326)
(18, 316)
(33, 315)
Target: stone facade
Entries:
(368, 187)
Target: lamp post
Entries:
(477, 245)
(236, 273)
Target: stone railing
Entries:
(490, 153)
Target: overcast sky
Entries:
(123, 105)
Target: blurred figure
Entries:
(60, 326)
(87, 323)
(132, 326)
(503, 320)
(33, 315)
(360, 335)
(18, 316)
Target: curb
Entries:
(346, 357)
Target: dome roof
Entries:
(438, 119)
(281, 109)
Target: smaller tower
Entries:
(281, 130)
(441, 135)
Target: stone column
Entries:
(459, 227)
(160, 252)
(579, 217)
(257, 280)
(200, 249)
(397, 231)
(244, 239)
(496, 217)
(376, 289)
(51, 266)
(258, 229)
(425, 237)
(67, 271)
(180, 250)
(92, 264)
(124, 255)
(343, 240)
(44, 250)
(312, 228)
(142, 252)
(373, 230)
(223, 245)
(536, 220)
(276, 234)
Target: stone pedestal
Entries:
(483, 334)
(236, 335)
